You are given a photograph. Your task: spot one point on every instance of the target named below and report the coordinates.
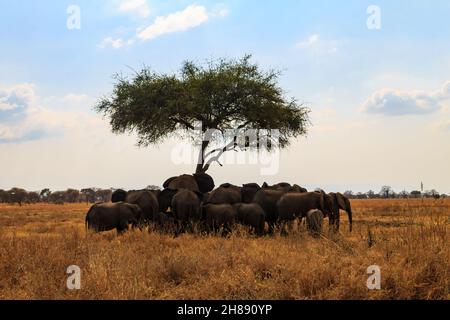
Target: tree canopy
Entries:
(223, 95)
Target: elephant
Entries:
(198, 182)
(296, 205)
(225, 194)
(186, 208)
(297, 188)
(165, 199)
(219, 216)
(314, 222)
(268, 199)
(118, 196)
(284, 186)
(279, 186)
(110, 216)
(251, 215)
(145, 199)
(341, 202)
(249, 191)
(230, 194)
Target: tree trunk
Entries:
(201, 159)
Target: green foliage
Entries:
(221, 95)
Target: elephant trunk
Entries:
(350, 214)
(350, 219)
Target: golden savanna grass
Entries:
(408, 239)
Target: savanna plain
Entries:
(408, 239)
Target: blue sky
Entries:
(380, 98)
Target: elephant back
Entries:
(183, 182)
(147, 201)
(227, 194)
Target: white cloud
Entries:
(220, 11)
(73, 98)
(311, 41)
(316, 45)
(23, 118)
(391, 102)
(16, 97)
(110, 42)
(191, 17)
(137, 7)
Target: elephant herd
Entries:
(190, 203)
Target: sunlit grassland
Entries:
(408, 239)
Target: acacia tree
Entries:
(221, 95)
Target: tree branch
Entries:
(234, 143)
(229, 147)
(183, 122)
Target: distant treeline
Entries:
(387, 192)
(93, 195)
(88, 195)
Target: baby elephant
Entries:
(109, 216)
(251, 215)
(314, 222)
(217, 216)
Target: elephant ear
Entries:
(265, 185)
(204, 181)
(322, 203)
(168, 181)
(340, 199)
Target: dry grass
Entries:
(408, 239)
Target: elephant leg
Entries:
(259, 230)
(332, 223)
(291, 226)
(187, 227)
(178, 228)
(338, 221)
(271, 228)
(227, 230)
(283, 226)
(122, 228)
